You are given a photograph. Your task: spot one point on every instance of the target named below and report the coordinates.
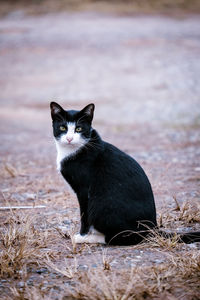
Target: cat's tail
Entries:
(187, 238)
(129, 237)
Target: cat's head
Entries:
(71, 128)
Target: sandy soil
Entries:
(142, 73)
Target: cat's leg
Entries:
(84, 224)
(87, 233)
(93, 237)
(83, 203)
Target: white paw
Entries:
(89, 238)
(78, 239)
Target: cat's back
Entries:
(118, 171)
(114, 159)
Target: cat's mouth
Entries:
(70, 144)
(66, 143)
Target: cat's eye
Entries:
(62, 128)
(78, 129)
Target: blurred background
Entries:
(138, 61)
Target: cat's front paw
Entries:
(78, 238)
(97, 238)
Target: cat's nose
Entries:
(69, 139)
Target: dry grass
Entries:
(183, 214)
(66, 269)
(179, 276)
(189, 212)
(28, 294)
(21, 245)
(91, 271)
(163, 242)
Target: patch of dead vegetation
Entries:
(20, 244)
(178, 278)
(179, 275)
(188, 212)
(23, 246)
(35, 238)
(32, 293)
(184, 214)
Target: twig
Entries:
(21, 207)
(177, 204)
(11, 170)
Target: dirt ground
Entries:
(142, 73)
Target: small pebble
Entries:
(82, 267)
(20, 284)
(42, 270)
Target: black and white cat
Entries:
(115, 196)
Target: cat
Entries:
(115, 196)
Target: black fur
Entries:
(114, 193)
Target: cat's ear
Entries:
(56, 110)
(88, 111)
